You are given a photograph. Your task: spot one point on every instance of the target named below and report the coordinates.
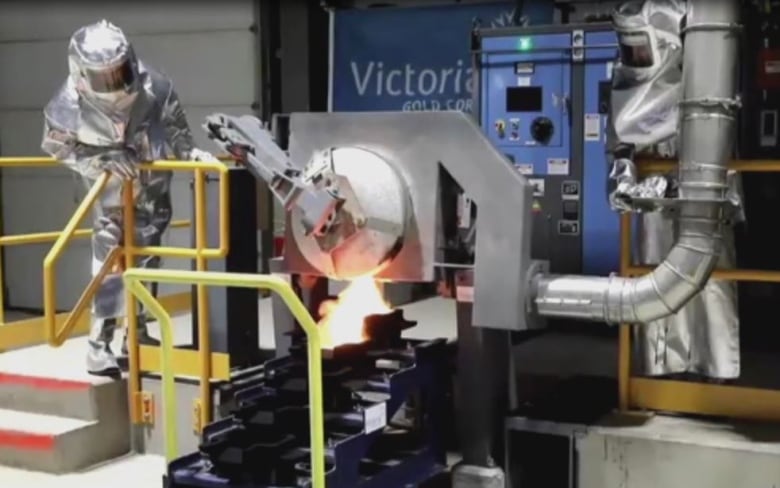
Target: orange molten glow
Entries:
(342, 319)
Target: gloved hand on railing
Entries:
(110, 234)
(122, 163)
(201, 155)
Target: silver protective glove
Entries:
(201, 155)
(120, 162)
(628, 189)
(110, 234)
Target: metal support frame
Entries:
(484, 376)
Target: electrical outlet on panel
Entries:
(464, 211)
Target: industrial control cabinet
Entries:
(542, 98)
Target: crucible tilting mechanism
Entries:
(385, 191)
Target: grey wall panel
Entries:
(209, 69)
(21, 20)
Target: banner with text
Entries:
(414, 58)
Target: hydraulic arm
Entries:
(313, 190)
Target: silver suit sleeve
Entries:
(89, 161)
(177, 130)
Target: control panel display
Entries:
(524, 99)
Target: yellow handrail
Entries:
(134, 279)
(55, 337)
(43, 237)
(49, 290)
(27, 162)
(647, 166)
(47, 162)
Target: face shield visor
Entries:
(103, 66)
(637, 48)
(647, 80)
(109, 80)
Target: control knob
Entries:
(542, 130)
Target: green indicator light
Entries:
(524, 44)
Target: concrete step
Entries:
(54, 381)
(93, 399)
(57, 444)
(50, 396)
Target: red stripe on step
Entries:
(26, 441)
(43, 383)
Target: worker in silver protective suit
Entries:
(112, 113)
(702, 339)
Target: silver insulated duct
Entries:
(707, 129)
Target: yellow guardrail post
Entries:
(134, 379)
(170, 409)
(134, 279)
(201, 253)
(204, 336)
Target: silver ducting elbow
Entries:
(660, 293)
(707, 130)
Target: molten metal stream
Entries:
(342, 318)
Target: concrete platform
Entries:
(671, 451)
(126, 472)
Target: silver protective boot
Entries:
(100, 359)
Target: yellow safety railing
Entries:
(689, 397)
(43, 237)
(134, 279)
(130, 252)
(54, 337)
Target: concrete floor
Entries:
(129, 472)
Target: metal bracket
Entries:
(577, 46)
(197, 425)
(654, 204)
(146, 407)
(537, 268)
